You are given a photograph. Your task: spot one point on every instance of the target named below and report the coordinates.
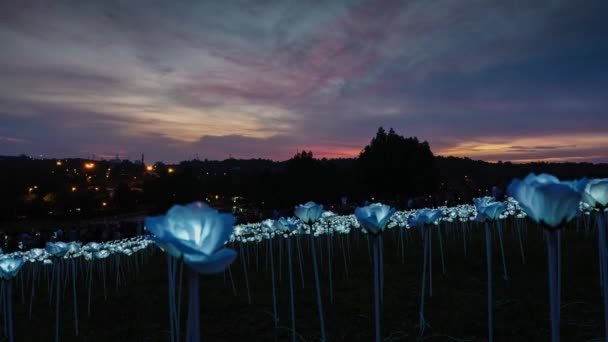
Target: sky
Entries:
(491, 80)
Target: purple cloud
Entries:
(265, 79)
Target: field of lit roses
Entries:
(531, 266)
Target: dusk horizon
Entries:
(318, 153)
(520, 82)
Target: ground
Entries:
(138, 311)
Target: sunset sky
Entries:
(492, 80)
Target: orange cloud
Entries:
(549, 148)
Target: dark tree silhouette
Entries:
(303, 172)
(392, 165)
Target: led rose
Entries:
(309, 213)
(197, 233)
(546, 199)
(267, 226)
(596, 193)
(373, 218)
(93, 246)
(57, 249)
(73, 247)
(35, 253)
(552, 203)
(423, 217)
(102, 254)
(286, 224)
(488, 209)
(289, 225)
(9, 267)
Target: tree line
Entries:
(391, 168)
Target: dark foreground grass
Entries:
(138, 311)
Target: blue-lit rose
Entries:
(596, 193)
(10, 266)
(373, 218)
(289, 224)
(488, 209)
(73, 247)
(546, 199)
(57, 249)
(309, 213)
(423, 217)
(196, 233)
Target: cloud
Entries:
(268, 78)
(13, 140)
(592, 147)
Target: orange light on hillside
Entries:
(73, 188)
(149, 168)
(170, 170)
(89, 166)
(59, 163)
(104, 204)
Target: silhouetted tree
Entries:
(303, 177)
(392, 165)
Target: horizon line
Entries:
(548, 160)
